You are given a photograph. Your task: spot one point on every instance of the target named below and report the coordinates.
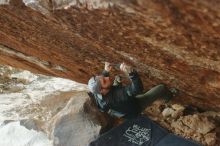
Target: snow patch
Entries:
(13, 134)
(25, 95)
(10, 103)
(39, 89)
(24, 75)
(25, 88)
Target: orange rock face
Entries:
(169, 41)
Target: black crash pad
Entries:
(140, 132)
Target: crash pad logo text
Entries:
(137, 134)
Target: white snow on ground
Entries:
(13, 134)
(9, 102)
(35, 89)
(25, 75)
(42, 88)
(27, 90)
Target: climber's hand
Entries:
(125, 68)
(108, 66)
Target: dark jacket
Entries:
(120, 100)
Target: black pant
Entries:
(153, 94)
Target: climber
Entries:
(124, 101)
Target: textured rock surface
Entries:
(45, 6)
(175, 111)
(72, 125)
(200, 126)
(4, 2)
(169, 41)
(73, 118)
(69, 117)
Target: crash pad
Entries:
(140, 131)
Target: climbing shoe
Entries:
(174, 91)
